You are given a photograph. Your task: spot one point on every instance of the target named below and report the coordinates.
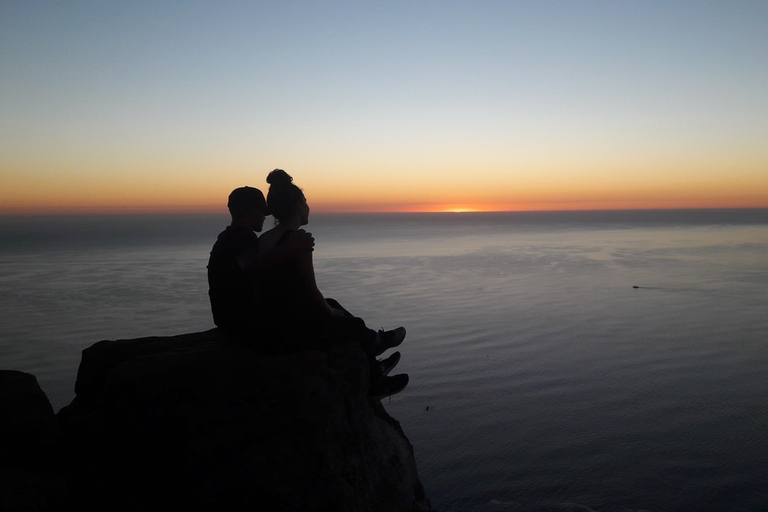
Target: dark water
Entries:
(538, 371)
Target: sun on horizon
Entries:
(460, 210)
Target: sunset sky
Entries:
(388, 105)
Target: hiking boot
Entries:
(388, 386)
(386, 365)
(388, 339)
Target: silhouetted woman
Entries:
(296, 314)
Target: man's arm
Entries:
(254, 263)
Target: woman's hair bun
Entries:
(279, 177)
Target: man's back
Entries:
(231, 291)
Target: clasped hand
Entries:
(301, 240)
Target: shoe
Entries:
(388, 339)
(388, 386)
(386, 365)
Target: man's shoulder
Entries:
(237, 239)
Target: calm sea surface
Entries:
(617, 360)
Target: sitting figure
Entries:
(295, 314)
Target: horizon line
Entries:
(96, 211)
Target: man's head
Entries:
(247, 206)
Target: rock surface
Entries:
(200, 422)
(29, 440)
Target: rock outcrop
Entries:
(200, 422)
(29, 441)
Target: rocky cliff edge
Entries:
(199, 421)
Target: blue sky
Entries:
(386, 103)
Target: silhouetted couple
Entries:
(263, 290)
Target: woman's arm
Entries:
(307, 273)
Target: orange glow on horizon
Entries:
(209, 208)
(574, 205)
(152, 188)
(33, 197)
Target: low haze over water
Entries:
(616, 360)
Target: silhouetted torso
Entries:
(284, 299)
(232, 293)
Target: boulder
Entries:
(202, 422)
(29, 446)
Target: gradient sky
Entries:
(396, 105)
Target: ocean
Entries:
(616, 360)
